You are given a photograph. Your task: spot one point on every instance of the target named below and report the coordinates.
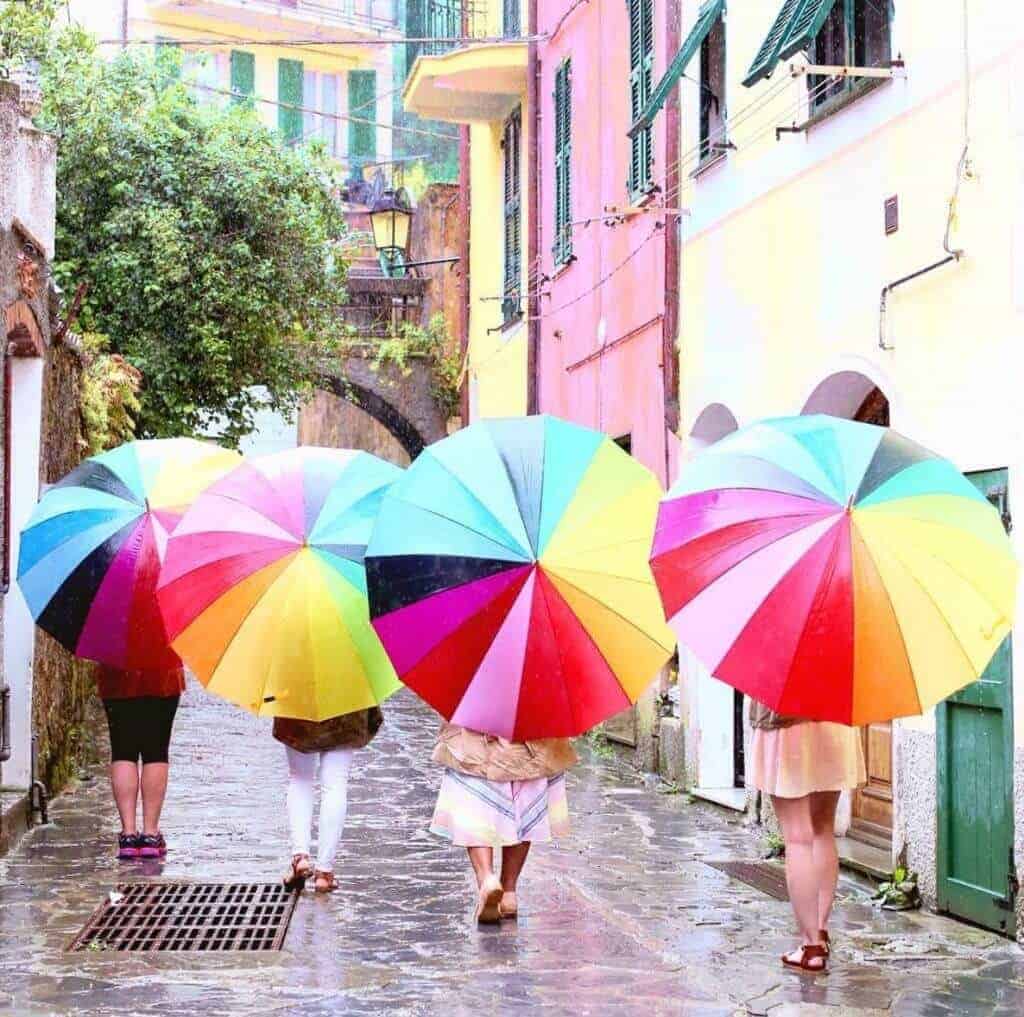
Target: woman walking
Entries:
(502, 796)
(804, 765)
(330, 746)
(140, 707)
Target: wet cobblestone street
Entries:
(623, 918)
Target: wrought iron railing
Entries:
(444, 23)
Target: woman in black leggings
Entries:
(140, 707)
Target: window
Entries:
(243, 76)
(641, 62)
(513, 217)
(510, 18)
(329, 104)
(854, 33)
(562, 249)
(712, 91)
(362, 104)
(201, 70)
(847, 32)
(310, 121)
(289, 95)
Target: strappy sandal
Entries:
(301, 869)
(809, 952)
(325, 882)
(824, 937)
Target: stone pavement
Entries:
(624, 918)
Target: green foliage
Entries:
(110, 396)
(209, 249)
(599, 745)
(774, 846)
(25, 32)
(899, 892)
(413, 342)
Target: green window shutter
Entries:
(768, 55)
(805, 27)
(362, 103)
(510, 18)
(706, 18)
(513, 217)
(641, 63)
(562, 248)
(243, 76)
(289, 95)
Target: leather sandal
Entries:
(301, 869)
(824, 937)
(508, 907)
(809, 952)
(488, 907)
(324, 881)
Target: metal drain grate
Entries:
(767, 877)
(190, 916)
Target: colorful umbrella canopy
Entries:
(91, 552)
(263, 590)
(834, 570)
(509, 580)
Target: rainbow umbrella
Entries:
(509, 580)
(91, 551)
(263, 588)
(834, 570)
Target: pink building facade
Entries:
(605, 246)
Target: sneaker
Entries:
(127, 845)
(152, 845)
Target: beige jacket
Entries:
(498, 759)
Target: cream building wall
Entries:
(784, 259)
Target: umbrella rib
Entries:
(614, 611)
(761, 459)
(561, 659)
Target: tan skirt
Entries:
(791, 762)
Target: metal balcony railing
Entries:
(446, 21)
(379, 306)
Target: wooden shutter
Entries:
(243, 76)
(562, 248)
(768, 55)
(641, 68)
(806, 25)
(289, 94)
(362, 104)
(513, 216)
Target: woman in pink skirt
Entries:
(804, 765)
(504, 796)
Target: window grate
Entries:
(190, 917)
(767, 877)
(892, 215)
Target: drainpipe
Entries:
(5, 577)
(670, 320)
(5, 723)
(465, 211)
(883, 300)
(124, 24)
(533, 178)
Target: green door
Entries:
(976, 873)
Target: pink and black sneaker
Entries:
(128, 845)
(152, 845)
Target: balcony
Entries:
(378, 306)
(329, 18)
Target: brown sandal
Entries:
(823, 936)
(301, 870)
(809, 952)
(325, 882)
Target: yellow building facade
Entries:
(854, 245)
(338, 93)
(483, 85)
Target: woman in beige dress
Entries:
(804, 765)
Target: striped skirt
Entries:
(473, 812)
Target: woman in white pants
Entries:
(328, 746)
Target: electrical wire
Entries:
(299, 43)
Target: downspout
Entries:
(670, 320)
(5, 691)
(124, 24)
(533, 178)
(466, 209)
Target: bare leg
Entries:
(826, 858)
(482, 860)
(124, 782)
(794, 815)
(512, 861)
(154, 788)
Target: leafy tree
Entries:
(209, 249)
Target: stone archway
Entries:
(851, 395)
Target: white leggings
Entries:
(334, 767)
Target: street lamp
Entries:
(391, 216)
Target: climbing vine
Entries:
(110, 395)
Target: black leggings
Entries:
(140, 728)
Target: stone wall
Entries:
(335, 423)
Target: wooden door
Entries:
(871, 816)
(974, 745)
